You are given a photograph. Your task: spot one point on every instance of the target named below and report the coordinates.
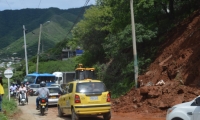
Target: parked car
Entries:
(185, 111)
(85, 98)
(54, 94)
(33, 88)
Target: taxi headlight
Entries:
(170, 110)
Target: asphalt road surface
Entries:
(29, 112)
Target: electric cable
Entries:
(8, 4)
(39, 3)
(87, 1)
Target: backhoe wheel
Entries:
(60, 113)
(107, 116)
(74, 116)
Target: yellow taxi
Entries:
(85, 97)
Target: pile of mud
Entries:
(177, 64)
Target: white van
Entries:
(64, 77)
(59, 77)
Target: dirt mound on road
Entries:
(177, 64)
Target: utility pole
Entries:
(38, 54)
(25, 50)
(134, 44)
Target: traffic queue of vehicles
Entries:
(81, 96)
(84, 96)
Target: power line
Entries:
(8, 4)
(39, 3)
(87, 1)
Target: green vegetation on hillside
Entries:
(105, 35)
(10, 107)
(56, 24)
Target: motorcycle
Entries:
(43, 105)
(23, 97)
(13, 93)
(31, 92)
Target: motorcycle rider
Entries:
(22, 88)
(13, 89)
(42, 92)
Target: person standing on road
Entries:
(42, 92)
(1, 92)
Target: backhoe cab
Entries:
(84, 73)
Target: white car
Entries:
(54, 94)
(185, 111)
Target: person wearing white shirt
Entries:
(15, 86)
(22, 88)
(11, 87)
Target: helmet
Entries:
(42, 84)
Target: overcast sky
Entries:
(22, 4)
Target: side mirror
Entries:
(197, 101)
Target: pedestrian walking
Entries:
(1, 92)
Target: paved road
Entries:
(29, 112)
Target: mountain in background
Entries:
(56, 24)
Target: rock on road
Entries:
(29, 112)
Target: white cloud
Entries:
(22, 4)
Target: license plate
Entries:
(53, 97)
(94, 98)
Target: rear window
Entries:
(54, 90)
(90, 87)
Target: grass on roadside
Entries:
(9, 107)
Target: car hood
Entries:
(186, 103)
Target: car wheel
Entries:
(177, 119)
(74, 116)
(60, 113)
(107, 116)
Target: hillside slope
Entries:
(56, 25)
(177, 64)
(51, 34)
